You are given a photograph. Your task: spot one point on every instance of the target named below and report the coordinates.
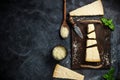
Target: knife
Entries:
(76, 28)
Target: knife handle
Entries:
(72, 21)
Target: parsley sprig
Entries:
(110, 74)
(108, 22)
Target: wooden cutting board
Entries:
(79, 46)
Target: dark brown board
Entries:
(79, 45)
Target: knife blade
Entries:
(78, 31)
(76, 28)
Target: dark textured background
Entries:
(29, 29)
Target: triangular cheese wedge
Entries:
(65, 73)
(92, 55)
(95, 8)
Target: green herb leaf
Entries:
(110, 74)
(111, 71)
(112, 26)
(105, 76)
(108, 22)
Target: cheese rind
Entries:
(95, 8)
(63, 72)
(92, 55)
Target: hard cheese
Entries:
(91, 31)
(63, 72)
(95, 8)
(91, 42)
(92, 35)
(91, 28)
(92, 55)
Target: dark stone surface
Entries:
(29, 29)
